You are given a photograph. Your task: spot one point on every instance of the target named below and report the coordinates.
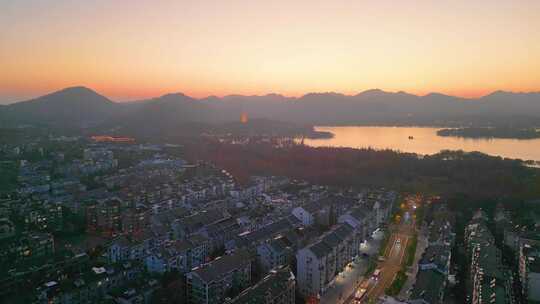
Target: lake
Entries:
(425, 141)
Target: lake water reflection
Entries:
(424, 141)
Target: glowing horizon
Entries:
(201, 48)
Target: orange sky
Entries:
(128, 50)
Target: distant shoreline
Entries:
(487, 133)
(319, 135)
(460, 132)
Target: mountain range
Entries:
(80, 107)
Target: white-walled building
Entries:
(529, 271)
(320, 262)
(358, 220)
(319, 212)
(307, 217)
(274, 253)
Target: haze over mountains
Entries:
(83, 107)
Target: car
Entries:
(376, 274)
(359, 295)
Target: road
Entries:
(347, 282)
(394, 254)
(393, 259)
(389, 268)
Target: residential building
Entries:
(125, 248)
(275, 253)
(223, 277)
(104, 217)
(428, 288)
(490, 280)
(359, 220)
(305, 215)
(529, 271)
(320, 262)
(278, 287)
(29, 245)
(134, 220)
(180, 255)
(436, 257)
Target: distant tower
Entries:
(243, 117)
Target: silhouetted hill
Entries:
(71, 106)
(502, 103)
(172, 107)
(170, 113)
(83, 107)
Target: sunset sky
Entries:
(135, 49)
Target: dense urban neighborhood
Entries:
(269, 152)
(109, 220)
